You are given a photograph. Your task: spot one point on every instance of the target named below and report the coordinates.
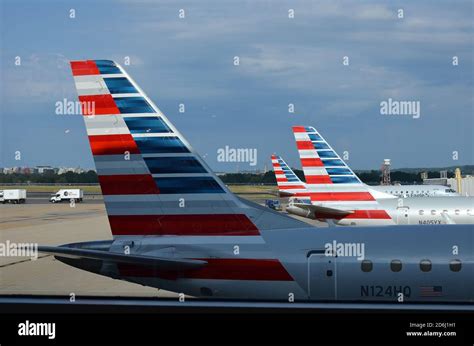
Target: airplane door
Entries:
(403, 216)
(321, 276)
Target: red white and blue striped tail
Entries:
(329, 180)
(287, 181)
(326, 174)
(153, 181)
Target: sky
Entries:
(283, 61)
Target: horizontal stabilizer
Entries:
(158, 262)
(323, 212)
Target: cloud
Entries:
(40, 77)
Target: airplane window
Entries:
(396, 265)
(366, 266)
(421, 212)
(445, 211)
(425, 265)
(455, 265)
(457, 211)
(433, 212)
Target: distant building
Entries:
(45, 169)
(467, 185)
(63, 170)
(435, 181)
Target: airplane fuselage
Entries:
(419, 211)
(371, 264)
(416, 190)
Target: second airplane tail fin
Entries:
(327, 176)
(288, 182)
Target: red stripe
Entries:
(133, 184)
(337, 196)
(318, 179)
(368, 214)
(102, 104)
(282, 180)
(183, 224)
(304, 145)
(290, 187)
(82, 68)
(316, 162)
(113, 144)
(219, 269)
(279, 172)
(297, 129)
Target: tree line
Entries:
(369, 177)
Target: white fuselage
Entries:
(416, 190)
(419, 210)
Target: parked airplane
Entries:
(333, 191)
(417, 190)
(176, 226)
(393, 190)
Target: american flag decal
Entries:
(431, 291)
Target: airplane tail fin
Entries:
(287, 181)
(325, 172)
(332, 184)
(152, 180)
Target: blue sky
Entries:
(282, 61)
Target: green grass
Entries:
(265, 189)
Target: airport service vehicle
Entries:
(67, 195)
(273, 204)
(333, 191)
(15, 196)
(176, 226)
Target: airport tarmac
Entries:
(53, 224)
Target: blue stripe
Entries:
(344, 180)
(133, 105)
(338, 171)
(314, 137)
(120, 86)
(107, 67)
(104, 63)
(158, 145)
(333, 162)
(162, 165)
(188, 185)
(321, 145)
(147, 125)
(326, 154)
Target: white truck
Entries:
(67, 195)
(13, 196)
